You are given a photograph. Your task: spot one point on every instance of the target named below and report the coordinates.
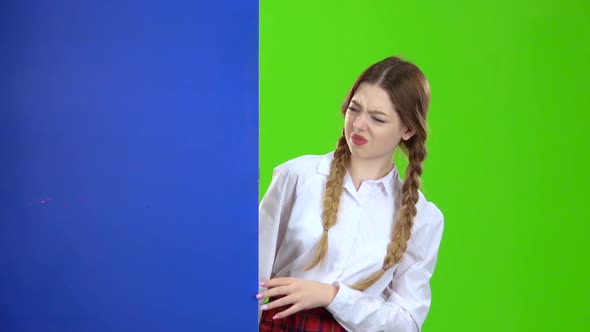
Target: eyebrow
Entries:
(370, 111)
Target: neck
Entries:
(368, 169)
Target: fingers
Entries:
(293, 309)
(276, 291)
(283, 301)
(277, 282)
(286, 291)
(275, 287)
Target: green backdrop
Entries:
(507, 147)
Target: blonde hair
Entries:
(410, 94)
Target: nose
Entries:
(360, 122)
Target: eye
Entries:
(352, 109)
(379, 120)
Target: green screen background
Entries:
(507, 148)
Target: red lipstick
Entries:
(358, 140)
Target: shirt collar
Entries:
(387, 182)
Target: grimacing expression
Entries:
(372, 127)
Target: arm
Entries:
(273, 216)
(408, 298)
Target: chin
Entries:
(366, 153)
(360, 151)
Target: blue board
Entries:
(128, 166)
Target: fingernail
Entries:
(258, 296)
(264, 307)
(276, 316)
(262, 283)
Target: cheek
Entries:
(348, 123)
(388, 138)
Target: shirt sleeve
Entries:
(273, 215)
(406, 302)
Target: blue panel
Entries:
(128, 166)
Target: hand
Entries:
(302, 294)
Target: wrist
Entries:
(331, 291)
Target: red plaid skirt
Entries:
(311, 320)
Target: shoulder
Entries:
(427, 209)
(304, 167)
(293, 175)
(429, 218)
(428, 213)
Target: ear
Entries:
(408, 133)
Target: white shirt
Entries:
(290, 226)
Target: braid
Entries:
(405, 216)
(331, 197)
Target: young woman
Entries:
(344, 243)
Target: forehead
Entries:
(373, 97)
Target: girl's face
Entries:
(372, 127)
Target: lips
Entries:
(358, 140)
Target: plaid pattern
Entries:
(311, 320)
